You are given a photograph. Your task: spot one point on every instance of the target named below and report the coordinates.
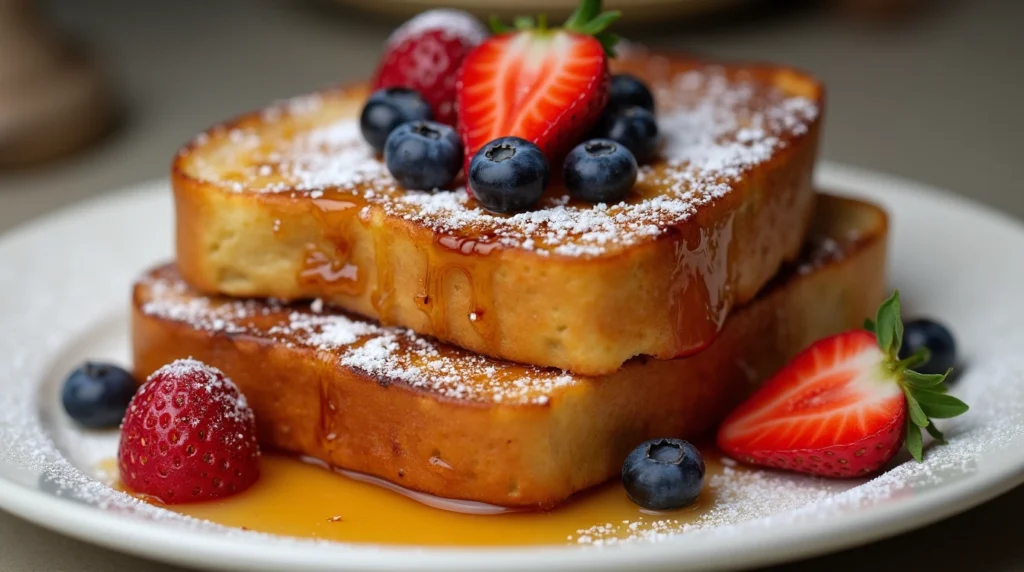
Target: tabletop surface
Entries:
(938, 101)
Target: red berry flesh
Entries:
(188, 436)
(425, 54)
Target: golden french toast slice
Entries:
(436, 418)
(291, 203)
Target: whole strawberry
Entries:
(425, 53)
(188, 436)
(844, 406)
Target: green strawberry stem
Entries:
(925, 393)
(587, 19)
(921, 356)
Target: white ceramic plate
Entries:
(64, 284)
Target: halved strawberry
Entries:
(843, 407)
(547, 86)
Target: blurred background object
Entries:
(633, 10)
(557, 10)
(929, 91)
(882, 10)
(52, 97)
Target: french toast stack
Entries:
(512, 359)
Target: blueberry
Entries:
(508, 174)
(96, 395)
(599, 171)
(386, 109)
(634, 127)
(626, 91)
(423, 155)
(934, 336)
(663, 474)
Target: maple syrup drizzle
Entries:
(479, 271)
(430, 300)
(700, 280)
(467, 245)
(334, 272)
(481, 317)
(310, 500)
(327, 413)
(383, 296)
(320, 269)
(450, 256)
(337, 273)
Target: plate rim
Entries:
(805, 539)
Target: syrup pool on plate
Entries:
(307, 499)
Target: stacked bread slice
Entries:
(508, 359)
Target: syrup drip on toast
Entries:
(474, 253)
(454, 263)
(450, 261)
(468, 245)
(335, 272)
(320, 269)
(700, 280)
(327, 414)
(429, 300)
(383, 296)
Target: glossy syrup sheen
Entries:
(334, 272)
(448, 258)
(699, 281)
(308, 500)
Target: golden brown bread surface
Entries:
(290, 203)
(439, 419)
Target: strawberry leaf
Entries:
(914, 409)
(585, 12)
(608, 41)
(523, 23)
(921, 356)
(936, 434)
(497, 26)
(926, 394)
(939, 405)
(888, 326)
(913, 441)
(923, 380)
(601, 23)
(589, 20)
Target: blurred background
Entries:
(98, 94)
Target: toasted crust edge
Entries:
(530, 455)
(587, 315)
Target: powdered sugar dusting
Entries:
(391, 355)
(227, 400)
(455, 23)
(715, 129)
(329, 156)
(737, 495)
(46, 324)
(744, 497)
